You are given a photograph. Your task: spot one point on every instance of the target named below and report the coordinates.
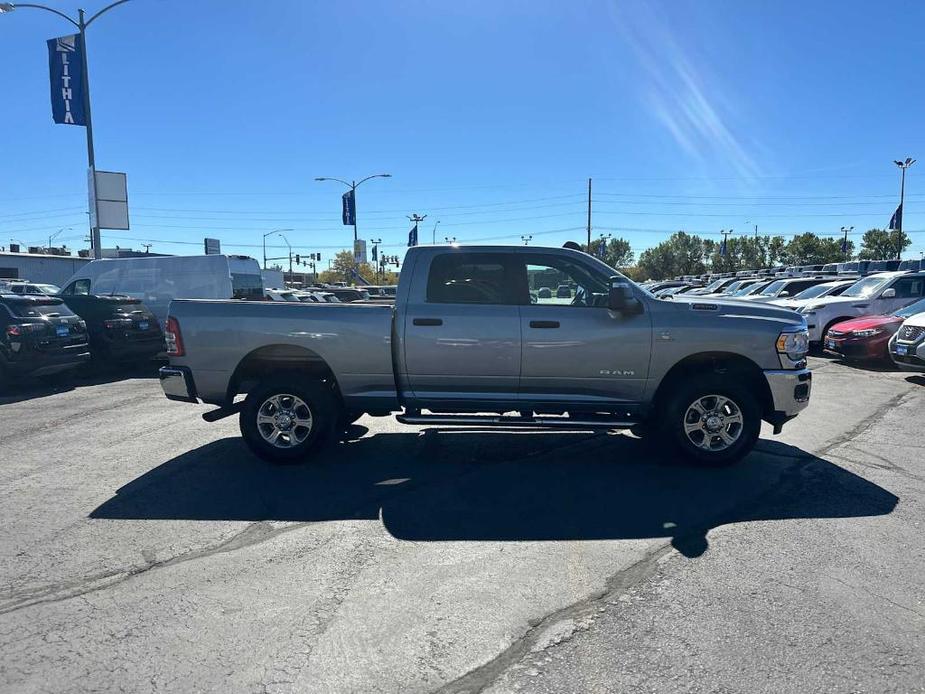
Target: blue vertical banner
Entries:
(413, 236)
(349, 214)
(65, 66)
(896, 221)
(722, 247)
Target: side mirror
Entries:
(888, 293)
(784, 293)
(620, 298)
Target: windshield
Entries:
(865, 287)
(774, 288)
(814, 291)
(751, 289)
(911, 309)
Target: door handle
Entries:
(427, 321)
(544, 324)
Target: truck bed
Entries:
(353, 339)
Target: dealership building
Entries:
(53, 265)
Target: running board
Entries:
(514, 422)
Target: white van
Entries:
(158, 279)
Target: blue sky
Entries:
(489, 115)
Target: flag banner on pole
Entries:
(896, 221)
(65, 66)
(602, 250)
(413, 236)
(722, 247)
(349, 213)
(844, 245)
(375, 253)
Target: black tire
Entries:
(678, 411)
(298, 442)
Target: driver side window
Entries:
(559, 282)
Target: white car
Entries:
(872, 295)
(818, 291)
(783, 288)
(907, 346)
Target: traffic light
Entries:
(297, 259)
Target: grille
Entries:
(911, 333)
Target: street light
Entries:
(352, 185)
(81, 25)
(433, 237)
(270, 233)
(526, 239)
(450, 240)
(903, 165)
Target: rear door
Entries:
(462, 336)
(576, 351)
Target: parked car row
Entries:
(850, 311)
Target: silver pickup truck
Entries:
(495, 337)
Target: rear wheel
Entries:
(286, 421)
(711, 420)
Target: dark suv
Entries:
(121, 328)
(39, 335)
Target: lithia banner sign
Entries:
(65, 62)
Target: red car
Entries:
(867, 337)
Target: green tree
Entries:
(682, 254)
(881, 244)
(342, 270)
(617, 253)
(777, 247)
(809, 249)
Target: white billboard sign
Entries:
(108, 200)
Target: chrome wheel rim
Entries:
(713, 423)
(284, 420)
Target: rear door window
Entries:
(909, 287)
(471, 278)
(30, 309)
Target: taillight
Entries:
(14, 330)
(25, 329)
(173, 338)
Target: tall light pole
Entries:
(903, 165)
(352, 185)
(433, 236)
(82, 23)
(526, 239)
(270, 233)
(844, 243)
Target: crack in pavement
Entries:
(483, 676)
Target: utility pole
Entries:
(589, 215)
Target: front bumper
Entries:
(914, 357)
(790, 391)
(857, 347)
(177, 383)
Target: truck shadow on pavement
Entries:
(489, 486)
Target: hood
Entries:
(918, 320)
(732, 308)
(866, 323)
(826, 300)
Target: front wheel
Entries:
(286, 421)
(712, 421)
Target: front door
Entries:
(462, 332)
(576, 350)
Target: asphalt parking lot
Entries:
(144, 549)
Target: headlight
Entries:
(794, 344)
(812, 308)
(868, 332)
